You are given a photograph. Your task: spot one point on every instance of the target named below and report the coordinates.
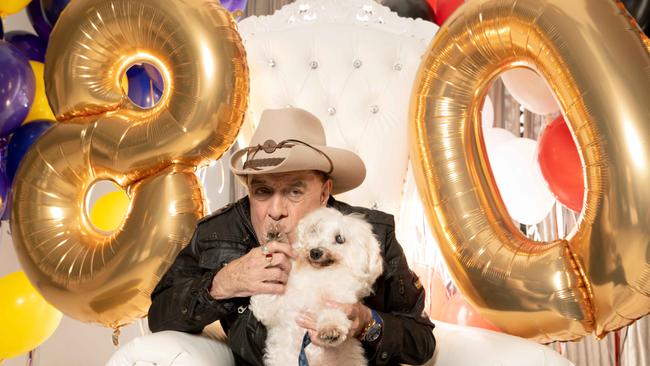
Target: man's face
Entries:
(279, 201)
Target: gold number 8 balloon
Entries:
(598, 278)
(101, 277)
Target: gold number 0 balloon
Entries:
(107, 278)
(598, 279)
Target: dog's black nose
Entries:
(315, 254)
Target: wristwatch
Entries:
(372, 331)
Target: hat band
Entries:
(269, 147)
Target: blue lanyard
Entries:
(302, 358)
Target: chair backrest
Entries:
(351, 63)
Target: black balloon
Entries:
(37, 18)
(410, 8)
(640, 10)
(52, 9)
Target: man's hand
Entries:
(253, 274)
(358, 313)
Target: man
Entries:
(234, 253)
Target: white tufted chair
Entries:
(352, 63)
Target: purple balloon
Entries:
(4, 193)
(29, 44)
(154, 75)
(17, 84)
(233, 5)
(20, 143)
(37, 18)
(52, 9)
(142, 89)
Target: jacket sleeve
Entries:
(407, 335)
(181, 301)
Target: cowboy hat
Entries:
(292, 139)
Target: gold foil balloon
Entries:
(598, 278)
(107, 277)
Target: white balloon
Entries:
(520, 181)
(487, 114)
(495, 137)
(530, 90)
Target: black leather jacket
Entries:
(182, 302)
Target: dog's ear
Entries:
(375, 260)
(368, 260)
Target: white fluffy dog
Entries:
(338, 259)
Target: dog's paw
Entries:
(332, 335)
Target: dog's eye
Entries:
(340, 239)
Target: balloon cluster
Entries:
(24, 110)
(26, 115)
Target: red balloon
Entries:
(560, 164)
(459, 311)
(444, 8)
(438, 295)
(432, 4)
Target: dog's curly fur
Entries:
(348, 265)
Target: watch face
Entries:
(373, 333)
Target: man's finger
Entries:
(275, 274)
(282, 261)
(305, 323)
(278, 247)
(271, 288)
(347, 309)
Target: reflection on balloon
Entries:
(530, 90)
(27, 319)
(560, 164)
(17, 86)
(40, 107)
(151, 153)
(109, 211)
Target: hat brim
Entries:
(348, 173)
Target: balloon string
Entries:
(30, 357)
(617, 350)
(116, 337)
(151, 101)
